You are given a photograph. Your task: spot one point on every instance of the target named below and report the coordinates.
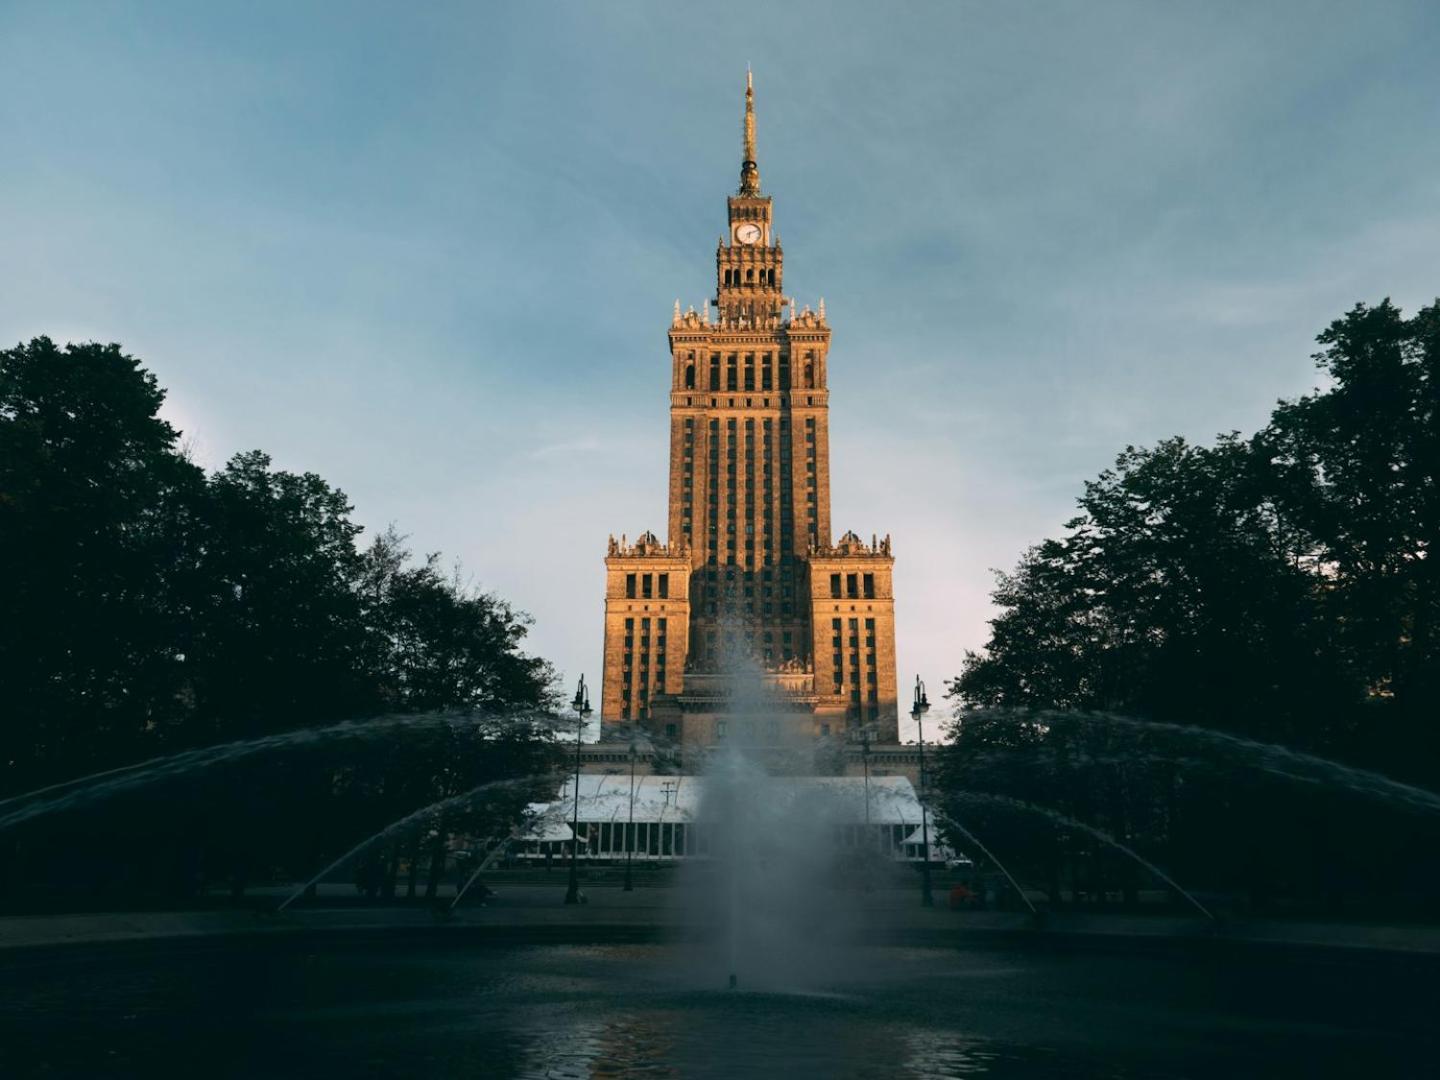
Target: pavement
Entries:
(521, 912)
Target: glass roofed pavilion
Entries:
(672, 820)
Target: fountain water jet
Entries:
(485, 864)
(1235, 750)
(80, 791)
(991, 856)
(1075, 823)
(464, 798)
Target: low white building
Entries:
(669, 818)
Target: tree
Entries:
(436, 644)
(1282, 588)
(1357, 468)
(148, 608)
(95, 504)
(1178, 593)
(278, 638)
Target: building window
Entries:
(629, 587)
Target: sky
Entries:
(430, 252)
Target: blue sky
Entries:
(431, 254)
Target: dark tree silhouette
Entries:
(1282, 587)
(148, 608)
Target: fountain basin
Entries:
(498, 999)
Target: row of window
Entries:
(853, 585)
(733, 278)
(651, 586)
(837, 626)
(742, 377)
(749, 403)
(767, 521)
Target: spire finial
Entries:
(749, 171)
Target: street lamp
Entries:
(917, 712)
(630, 826)
(581, 705)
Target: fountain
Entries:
(784, 974)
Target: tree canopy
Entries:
(1281, 587)
(148, 607)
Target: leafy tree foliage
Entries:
(1282, 588)
(148, 607)
(95, 508)
(444, 645)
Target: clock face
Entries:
(749, 233)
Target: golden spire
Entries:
(749, 171)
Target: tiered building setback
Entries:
(751, 582)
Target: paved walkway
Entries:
(531, 911)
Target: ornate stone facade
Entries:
(751, 581)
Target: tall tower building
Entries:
(751, 583)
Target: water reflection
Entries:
(581, 1049)
(938, 1055)
(721, 1034)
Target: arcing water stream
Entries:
(82, 791)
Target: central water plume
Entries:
(778, 899)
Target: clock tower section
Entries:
(749, 522)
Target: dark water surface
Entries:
(351, 1007)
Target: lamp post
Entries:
(581, 705)
(630, 826)
(918, 711)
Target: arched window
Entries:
(689, 376)
(809, 376)
(749, 275)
